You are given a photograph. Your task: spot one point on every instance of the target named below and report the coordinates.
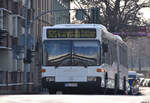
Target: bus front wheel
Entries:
(51, 91)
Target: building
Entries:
(11, 46)
(139, 55)
(11, 55)
(61, 17)
(51, 18)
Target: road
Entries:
(145, 91)
(45, 98)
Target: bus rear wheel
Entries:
(116, 89)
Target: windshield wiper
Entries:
(58, 60)
(83, 58)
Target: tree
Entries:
(116, 14)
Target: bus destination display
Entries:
(71, 33)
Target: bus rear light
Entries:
(99, 70)
(43, 70)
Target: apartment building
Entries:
(11, 55)
(61, 17)
(48, 19)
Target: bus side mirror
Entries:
(105, 47)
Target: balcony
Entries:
(4, 19)
(5, 40)
(16, 27)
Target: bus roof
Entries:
(78, 26)
(107, 34)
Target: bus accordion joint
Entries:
(43, 70)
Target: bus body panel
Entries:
(74, 74)
(69, 74)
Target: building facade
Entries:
(11, 45)
(48, 19)
(11, 54)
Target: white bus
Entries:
(83, 58)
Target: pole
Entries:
(25, 44)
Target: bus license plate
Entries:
(71, 84)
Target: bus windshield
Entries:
(71, 53)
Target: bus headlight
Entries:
(50, 79)
(91, 79)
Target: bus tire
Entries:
(51, 91)
(124, 84)
(106, 81)
(116, 84)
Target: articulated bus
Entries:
(83, 58)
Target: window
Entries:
(4, 19)
(71, 53)
(1, 77)
(17, 26)
(108, 56)
(123, 55)
(113, 52)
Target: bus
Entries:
(83, 58)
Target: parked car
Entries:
(145, 83)
(141, 82)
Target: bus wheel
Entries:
(124, 84)
(106, 81)
(51, 91)
(116, 84)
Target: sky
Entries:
(146, 13)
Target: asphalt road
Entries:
(145, 91)
(45, 98)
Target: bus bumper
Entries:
(74, 87)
